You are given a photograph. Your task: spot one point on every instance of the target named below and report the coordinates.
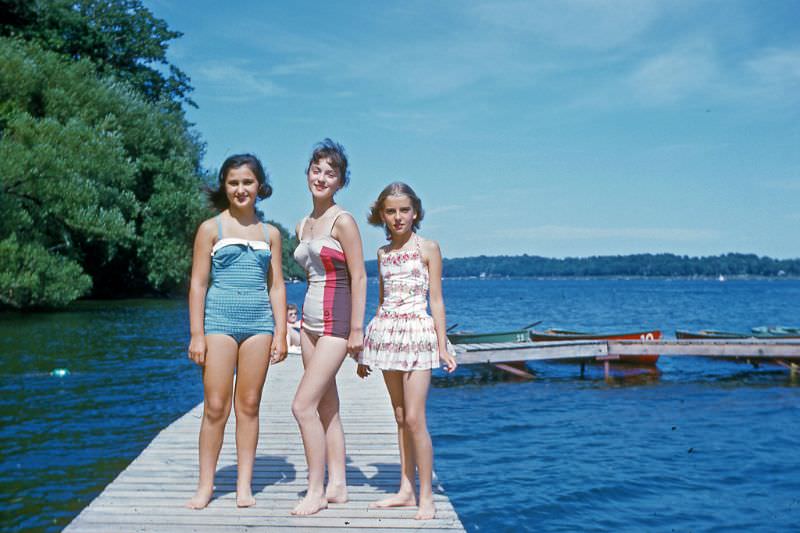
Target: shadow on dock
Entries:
(268, 470)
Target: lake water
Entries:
(697, 446)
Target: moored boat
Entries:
(462, 337)
(762, 332)
(776, 331)
(567, 335)
(710, 334)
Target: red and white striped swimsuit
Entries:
(326, 310)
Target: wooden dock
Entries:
(149, 495)
(785, 352)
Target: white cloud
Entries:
(674, 75)
(776, 72)
(589, 24)
(442, 209)
(234, 82)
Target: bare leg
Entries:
(416, 387)
(405, 496)
(251, 371)
(217, 391)
(321, 361)
(336, 490)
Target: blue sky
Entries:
(568, 128)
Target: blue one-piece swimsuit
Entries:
(237, 302)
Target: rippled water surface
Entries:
(697, 446)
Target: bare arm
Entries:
(363, 370)
(345, 230)
(380, 283)
(433, 257)
(277, 295)
(198, 286)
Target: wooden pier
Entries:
(785, 352)
(150, 494)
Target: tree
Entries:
(121, 37)
(95, 182)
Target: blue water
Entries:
(697, 446)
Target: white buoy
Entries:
(59, 372)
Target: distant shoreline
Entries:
(726, 266)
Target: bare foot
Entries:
(426, 511)
(336, 494)
(200, 499)
(401, 499)
(310, 505)
(245, 500)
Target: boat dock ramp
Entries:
(784, 352)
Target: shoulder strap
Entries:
(335, 218)
(266, 231)
(219, 227)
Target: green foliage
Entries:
(121, 37)
(616, 265)
(94, 176)
(30, 276)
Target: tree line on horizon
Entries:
(100, 171)
(636, 265)
(643, 265)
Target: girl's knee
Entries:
(415, 422)
(302, 412)
(248, 405)
(399, 416)
(216, 409)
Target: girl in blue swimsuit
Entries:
(236, 291)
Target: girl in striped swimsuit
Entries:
(333, 315)
(236, 288)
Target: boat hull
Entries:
(713, 334)
(551, 335)
(480, 338)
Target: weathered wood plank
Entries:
(613, 349)
(149, 495)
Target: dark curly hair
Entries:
(217, 196)
(333, 152)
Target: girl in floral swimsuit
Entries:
(404, 341)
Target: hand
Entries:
(197, 349)
(278, 350)
(363, 371)
(355, 343)
(449, 361)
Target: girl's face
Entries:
(291, 316)
(241, 187)
(398, 214)
(323, 179)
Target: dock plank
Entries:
(784, 349)
(150, 493)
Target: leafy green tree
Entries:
(92, 176)
(122, 37)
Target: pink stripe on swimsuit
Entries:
(326, 310)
